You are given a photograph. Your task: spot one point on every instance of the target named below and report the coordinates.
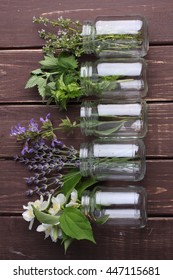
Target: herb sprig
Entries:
(57, 79)
(67, 37)
(57, 177)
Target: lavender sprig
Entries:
(50, 162)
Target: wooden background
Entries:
(20, 51)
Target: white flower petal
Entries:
(61, 198)
(74, 195)
(28, 215)
(31, 224)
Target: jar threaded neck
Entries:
(88, 37)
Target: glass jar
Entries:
(121, 78)
(124, 206)
(109, 159)
(118, 120)
(116, 36)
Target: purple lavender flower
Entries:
(29, 180)
(29, 192)
(33, 126)
(46, 119)
(25, 148)
(18, 130)
(56, 142)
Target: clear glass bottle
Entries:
(110, 159)
(116, 36)
(118, 120)
(123, 78)
(123, 206)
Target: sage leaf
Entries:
(45, 218)
(76, 225)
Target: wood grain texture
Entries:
(17, 30)
(158, 183)
(158, 140)
(153, 242)
(15, 68)
(20, 51)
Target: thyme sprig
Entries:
(67, 36)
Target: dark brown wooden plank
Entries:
(15, 67)
(153, 242)
(158, 140)
(158, 183)
(17, 30)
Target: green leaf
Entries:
(111, 130)
(84, 185)
(70, 182)
(42, 87)
(67, 62)
(66, 241)
(45, 218)
(32, 82)
(102, 220)
(49, 62)
(76, 225)
(55, 232)
(37, 71)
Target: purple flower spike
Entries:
(33, 126)
(46, 119)
(56, 142)
(17, 130)
(25, 148)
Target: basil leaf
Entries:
(45, 218)
(76, 225)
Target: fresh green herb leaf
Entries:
(70, 182)
(84, 185)
(76, 225)
(110, 131)
(66, 240)
(102, 220)
(37, 71)
(49, 62)
(32, 82)
(45, 218)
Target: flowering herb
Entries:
(61, 218)
(57, 177)
(67, 36)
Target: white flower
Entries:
(57, 203)
(74, 197)
(50, 230)
(28, 215)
